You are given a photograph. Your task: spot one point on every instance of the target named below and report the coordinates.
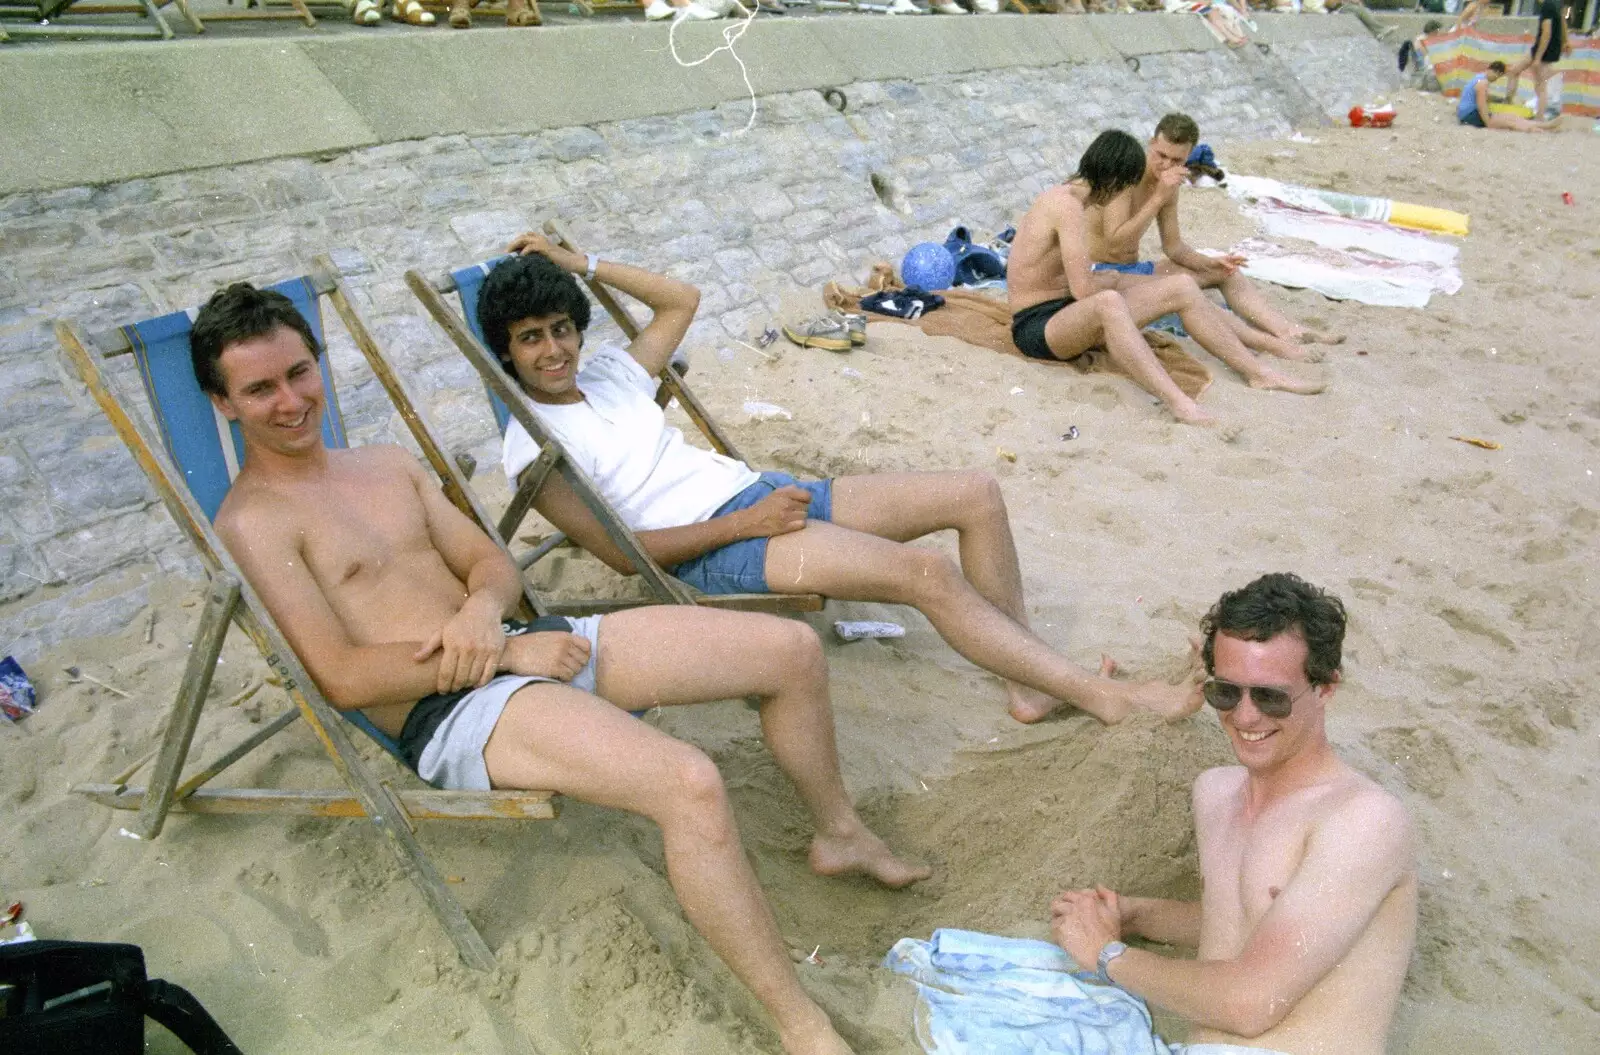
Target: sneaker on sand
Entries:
(658, 11)
(905, 7)
(946, 7)
(986, 7)
(856, 323)
(697, 12)
(820, 331)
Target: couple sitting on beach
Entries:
(396, 602)
(1075, 280)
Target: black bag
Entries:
(88, 998)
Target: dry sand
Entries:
(1469, 691)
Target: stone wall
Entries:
(745, 217)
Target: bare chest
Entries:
(1246, 863)
(360, 532)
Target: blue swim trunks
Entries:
(741, 567)
(1170, 322)
(1138, 267)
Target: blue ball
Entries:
(929, 266)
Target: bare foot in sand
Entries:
(1291, 348)
(814, 1039)
(1031, 705)
(1273, 381)
(1193, 415)
(860, 852)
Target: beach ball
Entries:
(928, 265)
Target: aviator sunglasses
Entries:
(1274, 703)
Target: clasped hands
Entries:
(1082, 921)
(474, 648)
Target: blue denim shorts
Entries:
(741, 567)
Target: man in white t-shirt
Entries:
(724, 528)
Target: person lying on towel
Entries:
(1116, 231)
(1308, 910)
(722, 527)
(1061, 309)
(396, 602)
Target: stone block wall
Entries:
(745, 217)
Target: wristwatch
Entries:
(1112, 950)
(594, 262)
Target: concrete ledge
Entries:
(110, 112)
(1294, 29)
(118, 111)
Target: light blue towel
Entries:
(984, 995)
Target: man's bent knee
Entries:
(929, 575)
(695, 806)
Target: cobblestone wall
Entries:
(788, 205)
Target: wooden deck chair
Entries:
(508, 402)
(57, 18)
(191, 466)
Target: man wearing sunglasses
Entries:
(1308, 912)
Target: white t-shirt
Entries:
(621, 439)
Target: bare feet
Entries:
(1191, 414)
(1273, 381)
(1295, 350)
(862, 853)
(814, 1038)
(460, 14)
(1172, 702)
(1029, 705)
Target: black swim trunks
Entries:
(1027, 328)
(427, 713)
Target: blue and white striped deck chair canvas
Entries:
(469, 282)
(206, 447)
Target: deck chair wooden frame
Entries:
(51, 10)
(663, 588)
(230, 600)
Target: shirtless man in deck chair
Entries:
(1116, 231)
(724, 528)
(394, 600)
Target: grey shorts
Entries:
(453, 757)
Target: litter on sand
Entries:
(16, 691)
(862, 629)
(767, 412)
(1488, 445)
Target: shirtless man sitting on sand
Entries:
(1061, 309)
(394, 600)
(1308, 914)
(1116, 230)
(722, 527)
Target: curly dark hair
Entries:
(1113, 163)
(1278, 603)
(526, 287)
(241, 312)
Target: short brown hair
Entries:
(241, 312)
(1497, 66)
(1179, 129)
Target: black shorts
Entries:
(1027, 328)
(1552, 50)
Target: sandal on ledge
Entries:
(460, 14)
(411, 13)
(523, 13)
(366, 12)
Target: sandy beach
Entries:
(1470, 673)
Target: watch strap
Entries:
(594, 262)
(1109, 952)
